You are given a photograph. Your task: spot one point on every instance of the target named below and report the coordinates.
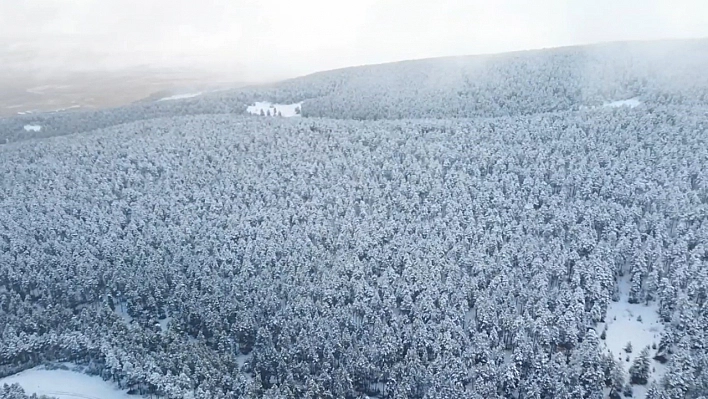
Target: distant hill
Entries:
(507, 84)
(32, 85)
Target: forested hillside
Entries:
(478, 227)
(512, 84)
(225, 256)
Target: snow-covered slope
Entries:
(508, 84)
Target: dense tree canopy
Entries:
(229, 256)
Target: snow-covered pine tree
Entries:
(628, 348)
(641, 368)
(635, 290)
(653, 392)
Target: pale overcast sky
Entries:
(265, 39)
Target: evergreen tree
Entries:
(653, 392)
(640, 369)
(615, 377)
(635, 290)
(628, 348)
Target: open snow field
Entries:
(65, 384)
(635, 323)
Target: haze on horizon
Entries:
(262, 40)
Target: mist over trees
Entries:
(217, 255)
(522, 83)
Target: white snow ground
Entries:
(33, 128)
(286, 110)
(180, 96)
(122, 312)
(623, 327)
(65, 384)
(631, 103)
(241, 360)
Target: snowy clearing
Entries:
(33, 128)
(241, 360)
(65, 384)
(285, 110)
(181, 96)
(631, 103)
(635, 323)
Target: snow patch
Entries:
(631, 103)
(285, 110)
(164, 323)
(65, 384)
(181, 96)
(33, 128)
(241, 360)
(122, 312)
(635, 323)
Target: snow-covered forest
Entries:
(522, 83)
(516, 240)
